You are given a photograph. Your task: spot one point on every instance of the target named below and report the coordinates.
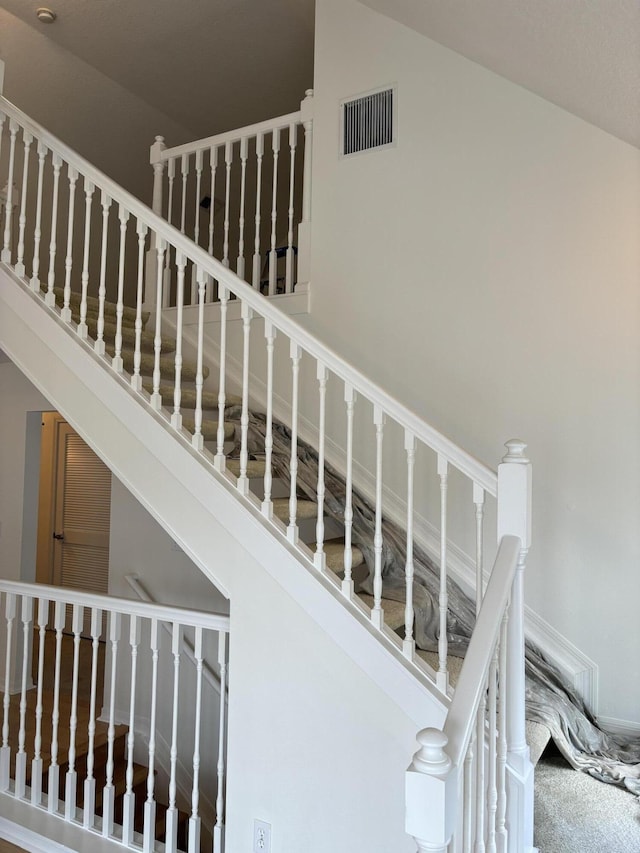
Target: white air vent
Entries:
(368, 122)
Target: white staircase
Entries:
(284, 386)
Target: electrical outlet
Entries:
(261, 837)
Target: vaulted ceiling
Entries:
(180, 56)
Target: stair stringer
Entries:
(197, 506)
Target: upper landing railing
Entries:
(244, 196)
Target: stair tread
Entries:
(93, 305)
(209, 428)
(167, 364)
(454, 664)
(334, 553)
(188, 396)
(305, 509)
(393, 610)
(255, 467)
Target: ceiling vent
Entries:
(368, 122)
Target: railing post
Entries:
(431, 790)
(514, 518)
(304, 228)
(157, 163)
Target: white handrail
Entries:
(477, 660)
(235, 135)
(460, 459)
(143, 609)
(210, 675)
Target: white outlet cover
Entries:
(261, 837)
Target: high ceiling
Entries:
(180, 56)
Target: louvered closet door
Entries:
(82, 514)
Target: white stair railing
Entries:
(59, 716)
(470, 786)
(245, 196)
(406, 470)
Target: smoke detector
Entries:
(47, 16)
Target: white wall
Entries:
(318, 751)
(485, 270)
(97, 117)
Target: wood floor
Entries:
(5, 847)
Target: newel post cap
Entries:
(306, 106)
(155, 152)
(514, 493)
(431, 792)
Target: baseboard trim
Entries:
(616, 726)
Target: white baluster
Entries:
(408, 645)
(36, 763)
(149, 833)
(480, 775)
(129, 800)
(136, 378)
(194, 819)
(176, 417)
(347, 583)
(5, 257)
(171, 174)
(213, 165)
(5, 751)
(377, 614)
(255, 278)
(478, 499)
(157, 163)
(304, 228)
(503, 686)
(267, 504)
(196, 215)
(492, 785)
(244, 143)
(320, 557)
(243, 480)
(183, 208)
(155, 400)
(53, 787)
(275, 145)
(218, 830)
(108, 793)
(116, 362)
(27, 140)
(89, 803)
(293, 133)
(50, 298)
(197, 439)
(65, 313)
(89, 189)
(228, 159)
(292, 530)
(71, 783)
(468, 814)
(21, 756)
(172, 811)
(37, 233)
(220, 459)
(98, 346)
(442, 676)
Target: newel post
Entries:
(304, 228)
(431, 791)
(514, 518)
(157, 164)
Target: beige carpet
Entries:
(577, 814)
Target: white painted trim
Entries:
(37, 831)
(615, 726)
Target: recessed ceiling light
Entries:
(45, 15)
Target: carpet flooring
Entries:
(575, 813)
